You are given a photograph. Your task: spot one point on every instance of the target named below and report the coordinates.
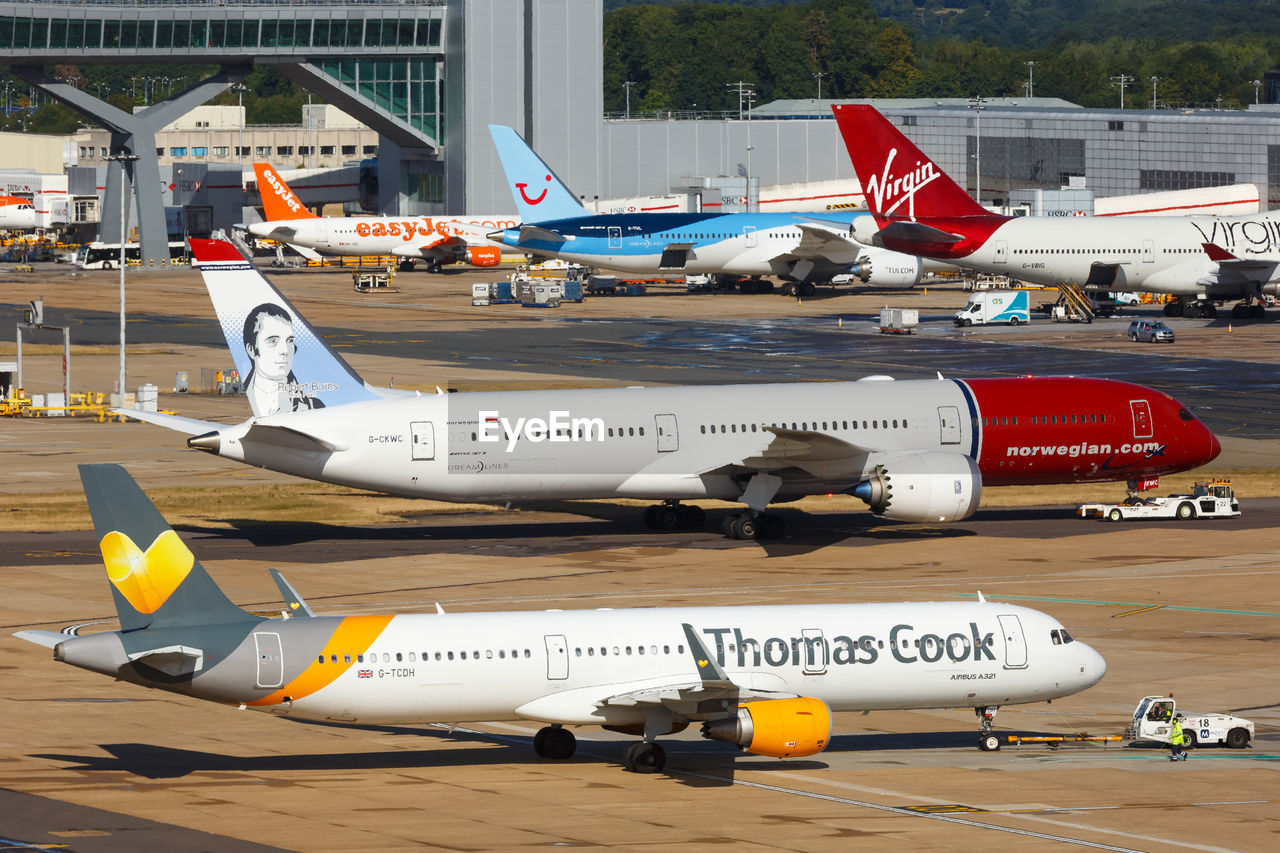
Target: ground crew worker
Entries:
(1176, 740)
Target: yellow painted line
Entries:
(1147, 609)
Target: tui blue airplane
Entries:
(802, 249)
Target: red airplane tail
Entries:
(897, 178)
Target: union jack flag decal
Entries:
(365, 673)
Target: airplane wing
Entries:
(1234, 270)
(823, 456)
(434, 248)
(283, 436)
(48, 639)
(822, 240)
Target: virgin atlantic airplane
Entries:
(917, 209)
(917, 450)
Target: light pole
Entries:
(1257, 87)
(239, 90)
(124, 159)
(1154, 102)
(1121, 80)
(819, 75)
(627, 85)
(1031, 78)
(750, 96)
(978, 104)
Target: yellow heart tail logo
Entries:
(702, 663)
(146, 578)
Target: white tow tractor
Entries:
(1154, 715)
(1214, 499)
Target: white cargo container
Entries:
(898, 321)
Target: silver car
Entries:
(1150, 331)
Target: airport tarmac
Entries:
(1192, 609)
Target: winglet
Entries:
(297, 604)
(278, 201)
(709, 669)
(1217, 253)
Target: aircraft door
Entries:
(1002, 251)
(949, 424)
(1141, 410)
(1015, 644)
(615, 237)
(1148, 251)
(270, 659)
(557, 657)
(749, 236)
(423, 436)
(668, 437)
(815, 651)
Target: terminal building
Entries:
(428, 76)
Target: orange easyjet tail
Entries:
(897, 178)
(278, 201)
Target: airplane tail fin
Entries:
(284, 365)
(155, 579)
(897, 178)
(539, 193)
(278, 201)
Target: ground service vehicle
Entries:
(898, 321)
(1150, 331)
(1214, 499)
(986, 307)
(1152, 717)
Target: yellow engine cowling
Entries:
(777, 727)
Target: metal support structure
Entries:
(125, 159)
(978, 104)
(35, 320)
(136, 134)
(1121, 80)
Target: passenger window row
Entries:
(411, 657)
(605, 651)
(807, 426)
(1047, 420)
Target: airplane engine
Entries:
(881, 268)
(484, 256)
(777, 727)
(928, 486)
(864, 230)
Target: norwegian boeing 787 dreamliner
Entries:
(765, 678)
(916, 208)
(918, 450)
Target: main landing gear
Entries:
(1252, 310)
(554, 742)
(1182, 307)
(754, 525)
(645, 756)
(673, 515)
(988, 741)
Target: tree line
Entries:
(683, 56)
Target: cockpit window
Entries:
(1183, 414)
(1061, 637)
(1056, 637)
(1066, 638)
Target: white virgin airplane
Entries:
(765, 678)
(917, 450)
(916, 208)
(434, 240)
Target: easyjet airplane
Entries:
(434, 240)
(17, 213)
(804, 249)
(917, 208)
(765, 678)
(918, 450)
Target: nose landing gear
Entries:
(988, 741)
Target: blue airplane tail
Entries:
(540, 195)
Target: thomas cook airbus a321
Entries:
(765, 678)
(918, 450)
